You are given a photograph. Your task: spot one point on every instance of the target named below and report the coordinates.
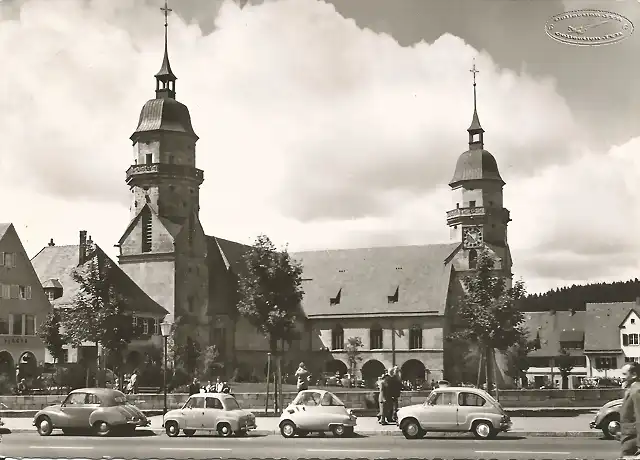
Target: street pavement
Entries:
(577, 426)
(146, 444)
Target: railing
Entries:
(163, 169)
(475, 211)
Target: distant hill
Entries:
(576, 297)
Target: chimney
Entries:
(83, 247)
(51, 243)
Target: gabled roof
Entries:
(632, 311)
(4, 228)
(172, 227)
(603, 325)
(422, 274)
(59, 263)
(552, 328)
(52, 283)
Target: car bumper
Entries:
(140, 423)
(506, 426)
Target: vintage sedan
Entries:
(209, 412)
(316, 411)
(101, 410)
(455, 409)
(608, 419)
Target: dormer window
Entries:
(149, 158)
(472, 204)
(336, 300)
(393, 298)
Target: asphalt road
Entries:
(30, 445)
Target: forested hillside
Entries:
(575, 297)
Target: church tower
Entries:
(478, 217)
(163, 248)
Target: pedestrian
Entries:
(630, 410)
(219, 385)
(395, 390)
(210, 387)
(302, 376)
(134, 382)
(194, 388)
(385, 400)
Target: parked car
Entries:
(327, 379)
(209, 412)
(608, 419)
(455, 409)
(101, 410)
(317, 411)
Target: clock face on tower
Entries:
(472, 237)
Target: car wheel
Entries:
(172, 429)
(411, 429)
(483, 430)
(287, 429)
(224, 430)
(338, 431)
(610, 427)
(189, 433)
(44, 426)
(102, 428)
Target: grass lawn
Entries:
(288, 388)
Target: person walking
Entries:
(385, 400)
(302, 377)
(395, 390)
(630, 411)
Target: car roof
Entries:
(458, 389)
(97, 391)
(315, 391)
(217, 395)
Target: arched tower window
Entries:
(375, 338)
(415, 338)
(147, 230)
(473, 259)
(337, 338)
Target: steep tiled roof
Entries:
(59, 262)
(3, 229)
(52, 283)
(603, 325)
(549, 327)
(366, 278)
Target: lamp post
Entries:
(165, 329)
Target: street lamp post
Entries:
(165, 329)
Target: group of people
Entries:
(390, 388)
(219, 387)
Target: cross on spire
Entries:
(166, 10)
(473, 70)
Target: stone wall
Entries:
(353, 399)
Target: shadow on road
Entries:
(4, 430)
(215, 435)
(136, 434)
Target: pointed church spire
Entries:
(476, 133)
(165, 78)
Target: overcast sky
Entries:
(330, 125)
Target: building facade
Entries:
(24, 306)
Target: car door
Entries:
(309, 412)
(76, 410)
(332, 410)
(212, 413)
(193, 413)
(469, 405)
(440, 412)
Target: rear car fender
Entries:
(481, 419)
(109, 416)
(231, 421)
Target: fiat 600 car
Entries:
(608, 419)
(316, 411)
(101, 410)
(455, 409)
(209, 412)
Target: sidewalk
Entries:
(577, 426)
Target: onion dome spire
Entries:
(476, 133)
(165, 78)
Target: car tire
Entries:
(224, 430)
(172, 429)
(101, 428)
(189, 433)
(288, 429)
(483, 430)
(411, 429)
(44, 426)
(339, 431)
(606, 431)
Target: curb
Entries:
(511, 434)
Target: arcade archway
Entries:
(414, 371)
(7, 366)
(336, 366)
(28, 365)
(371, 370)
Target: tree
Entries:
(49, 332)
(100, 310)
(517, 360)
(352, 348)
(489, 314)
(210, 362)
(270, 292)
(565, 364)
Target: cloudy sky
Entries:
(329, 125)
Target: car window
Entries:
(443, 399)
(76, 399)
(92, 399)
(195, 403)
(470, 399)
(309, 398)
(231, 404)
(213, 403)
(330, 400)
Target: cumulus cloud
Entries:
(312, 130)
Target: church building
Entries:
(397, 300)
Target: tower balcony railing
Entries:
(478, 211)
(165, 170)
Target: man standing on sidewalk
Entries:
(630, 410)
